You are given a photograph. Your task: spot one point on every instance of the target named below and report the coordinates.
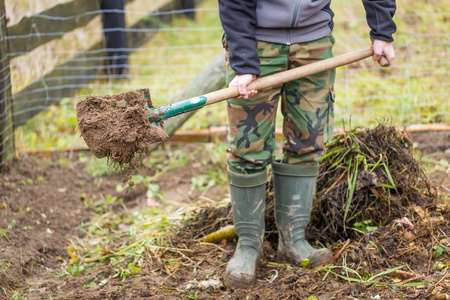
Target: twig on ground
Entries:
(404, 274)
(403, 252)
(442, 279)
(408, 280)
(337, 255)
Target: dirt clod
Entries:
(117, 126)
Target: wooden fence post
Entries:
(36, 96)
(115, 40)
(7, 150)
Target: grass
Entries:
(364, 277)
(121, 242)
(351, 275)
(414, 89)
(126, 242)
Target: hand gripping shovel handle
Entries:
(171, 110)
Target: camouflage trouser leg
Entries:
(306, 105)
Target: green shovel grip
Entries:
(171, 110)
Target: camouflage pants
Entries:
(306, 106)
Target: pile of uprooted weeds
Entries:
(374, 207)
(368, 178)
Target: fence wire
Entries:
(47, 81)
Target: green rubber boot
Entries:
(294, 192)
(248, 199)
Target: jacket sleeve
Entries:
(238, 19)
(379, 14)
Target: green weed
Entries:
(284, 266)
(18, 296)
(351, 275)
(201, 183)
(3, 234)
(90, 285)
(12, 225)
(104, 204)
(5, 265)
(439, 249)
(364, 227)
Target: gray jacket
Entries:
(286, 22)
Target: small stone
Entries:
(408, 235)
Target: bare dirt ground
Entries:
(41, 208)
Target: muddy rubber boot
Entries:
(294, 192)
(248, 199)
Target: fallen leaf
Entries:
(419, 210)
(60, 259)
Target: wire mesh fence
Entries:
(50, 65)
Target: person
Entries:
(263, 37)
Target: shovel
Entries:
(159, 114)
(119, 126)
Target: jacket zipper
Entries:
(294, 19)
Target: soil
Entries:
(41, 207)
(117, 126)
(41, 202)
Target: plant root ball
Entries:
(117, 126)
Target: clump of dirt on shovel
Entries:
(117, 126)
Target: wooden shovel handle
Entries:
(174, 109)
(300, 72)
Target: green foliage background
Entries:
(414, 90)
